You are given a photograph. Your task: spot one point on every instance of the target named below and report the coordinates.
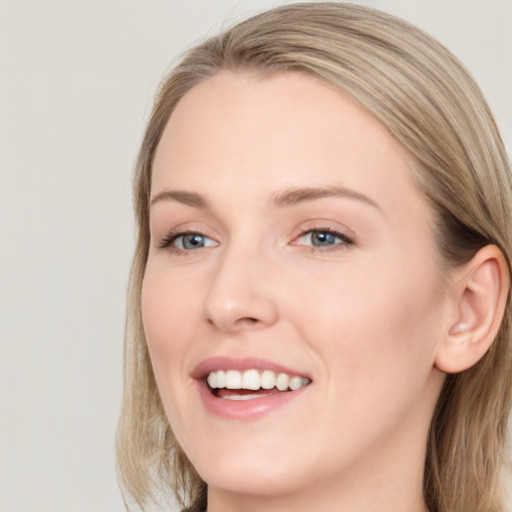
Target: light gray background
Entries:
(76, 84)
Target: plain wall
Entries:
(76, 84)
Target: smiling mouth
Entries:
(252, 384)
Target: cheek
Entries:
(165, 317)
(167, 307)
(375, 343)
(372, 327)
(155, 303)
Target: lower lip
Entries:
(245, 409)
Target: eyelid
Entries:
(171, 238)
(166, 241)
(346, 236)
(326, 225)
(342, 237)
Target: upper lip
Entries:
(241, 364)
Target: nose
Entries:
(240, 295)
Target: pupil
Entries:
(323, 238)
(193, 241)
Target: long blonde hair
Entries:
(426, 98)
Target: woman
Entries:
(320, 304)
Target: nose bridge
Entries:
(240, 292)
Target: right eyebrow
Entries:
(181, 196)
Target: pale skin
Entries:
(259, 170)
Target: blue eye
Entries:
(322, 238)
(319, 238)
(191, 241)
(186, 242)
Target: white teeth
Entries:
(252, 379)
(233, 379)
(221, 379)
(282, 382)
(242, 397)
(268, 379)
(297, 383)
(212, 380)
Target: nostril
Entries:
(247, 320)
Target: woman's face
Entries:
(287, 237)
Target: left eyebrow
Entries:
(181, 196)
(293, 196)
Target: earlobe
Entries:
(481, 288)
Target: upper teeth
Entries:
(253, 379)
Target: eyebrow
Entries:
(293, 196)
(181, 196)
(288, 197)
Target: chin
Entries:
(251, 472)
(262, 480)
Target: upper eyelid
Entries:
(184, 228)
(174, 235)
(345, 239)
(328, 225)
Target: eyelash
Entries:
(168, 241)
(346, 241)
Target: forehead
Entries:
(250, 134)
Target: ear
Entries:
(481, 288)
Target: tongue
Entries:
(224, 392)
